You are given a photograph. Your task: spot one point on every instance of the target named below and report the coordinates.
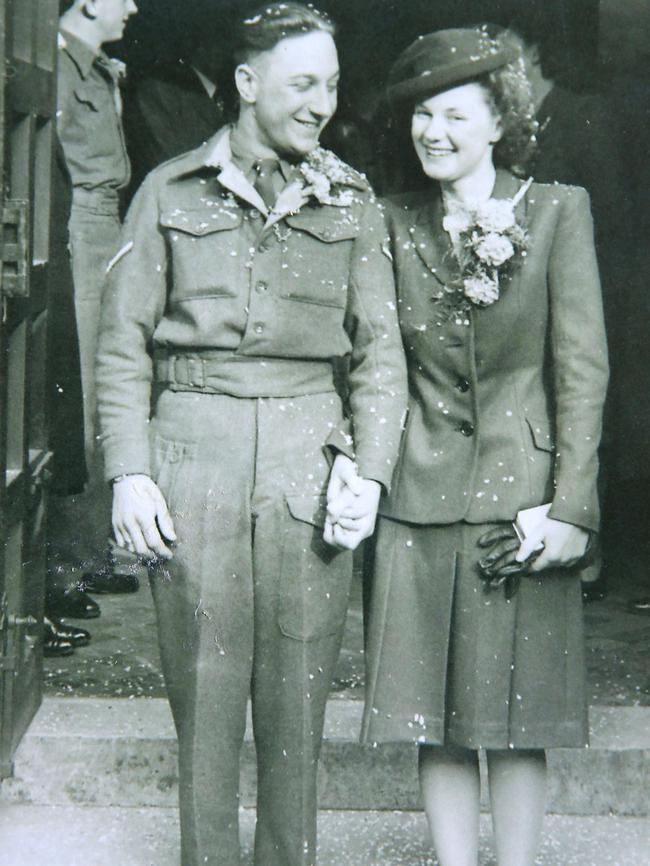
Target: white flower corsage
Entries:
(327, 178)
(489, 242)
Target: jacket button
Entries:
(466, 428)
(259, 328)
(463, 385)
(261, 287)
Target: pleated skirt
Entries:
(451, 661)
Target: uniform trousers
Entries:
(79, 524)
(94, 239)
(252, 603)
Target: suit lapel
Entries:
(433, 244)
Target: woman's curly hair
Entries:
(511, 97)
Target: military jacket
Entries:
(205, 266)
(505, 404)
(88, 116)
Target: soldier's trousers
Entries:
(79, 524)
(94, 239)
(252, 603)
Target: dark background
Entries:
(372, 32)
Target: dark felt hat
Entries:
(445, 59)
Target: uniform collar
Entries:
(223, 153)
(218, 154)
(81, 53)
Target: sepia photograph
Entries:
(324, 450)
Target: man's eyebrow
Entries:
(311, 77)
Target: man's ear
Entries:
(88, 10)
(247, 82)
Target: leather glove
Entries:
(499, 567)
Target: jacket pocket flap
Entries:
(542, 435)
(308, 509)
(329, 230)
(200, 223)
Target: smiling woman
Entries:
(475, 637)
(454, 133)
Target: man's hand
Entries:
(564, 545)
(352, 504)
(141, 520)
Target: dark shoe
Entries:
(54, 644)
(107, 582)
(72, 633)
(639, 605)
(70, 603)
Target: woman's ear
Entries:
(497, 133)
(246, 82)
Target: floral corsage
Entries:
(489, 243)
(322, 175)
(327, 178)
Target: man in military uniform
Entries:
(89, 128)
(245, 267)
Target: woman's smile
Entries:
(454, 132)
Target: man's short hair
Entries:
(273, 22)
(64, 5)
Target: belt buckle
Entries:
(196, 372)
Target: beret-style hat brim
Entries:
(419, 73)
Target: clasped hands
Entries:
(551, 544)
(352, 504)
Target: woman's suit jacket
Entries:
(506, 402)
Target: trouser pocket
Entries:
(315, 577)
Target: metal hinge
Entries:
(14, 278)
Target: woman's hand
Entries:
(352, 504)
(564, 545)
(141, 520)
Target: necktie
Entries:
(266, 169)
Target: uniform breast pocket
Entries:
(316, 261)
(205, 251)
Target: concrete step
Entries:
(101, 836)
(122, 753)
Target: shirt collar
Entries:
(83, 54)
(222, 153)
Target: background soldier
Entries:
(89, 127)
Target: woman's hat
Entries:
(445, 59)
